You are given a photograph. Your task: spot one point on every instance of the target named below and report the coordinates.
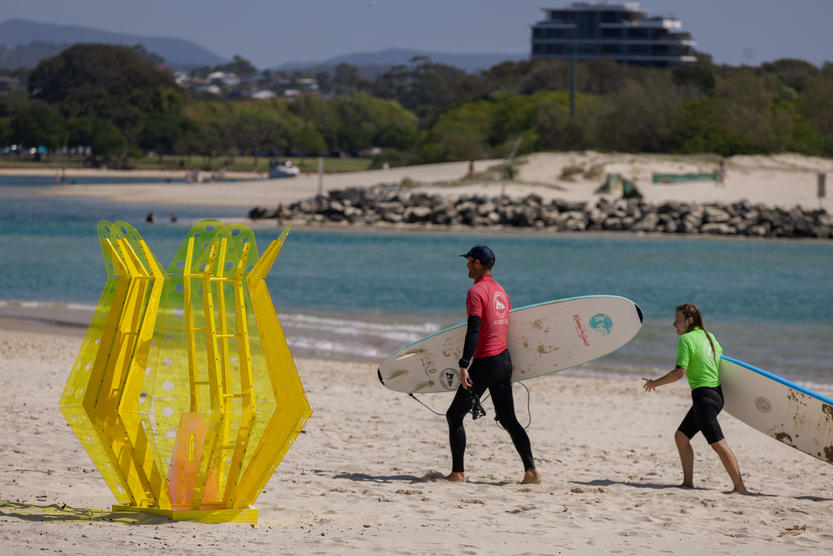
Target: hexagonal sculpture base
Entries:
(248, 515)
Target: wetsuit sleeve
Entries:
(683, 353)
(472, 337)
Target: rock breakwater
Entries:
(383, 205)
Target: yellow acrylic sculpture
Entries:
(184, 393)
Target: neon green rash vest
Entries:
(694, 354)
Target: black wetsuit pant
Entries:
(706, 404)
(493, 373)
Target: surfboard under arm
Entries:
(783, 410)
(543, 339)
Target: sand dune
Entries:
(363, 478)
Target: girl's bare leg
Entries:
(731, 465)
(686, 458)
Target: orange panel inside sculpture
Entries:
(184, 393)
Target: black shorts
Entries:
(706, 402)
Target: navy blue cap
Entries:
(481, 253)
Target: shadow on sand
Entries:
(654, 486)
(431, 476)
(55, 513)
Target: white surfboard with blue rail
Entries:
(787, 412)
(542, 339)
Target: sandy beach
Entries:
(783, 180)
(364, 476)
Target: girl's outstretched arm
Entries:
(672, 376)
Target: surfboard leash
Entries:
(528, 406)
(475, 408)
(425, 406)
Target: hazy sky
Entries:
(272, 32)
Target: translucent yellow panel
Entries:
(184, 392)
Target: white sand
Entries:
(362, 478)
(784, 180)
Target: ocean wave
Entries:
(25, 304)
(356, 326)
(351, 338)
(333, 349)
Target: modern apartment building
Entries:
(619, 32)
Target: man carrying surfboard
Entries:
(486, 364)
(698, 357)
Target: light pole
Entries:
(573, 84)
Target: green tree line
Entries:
(122, 104)
(785, 105)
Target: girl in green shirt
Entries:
(698, 357)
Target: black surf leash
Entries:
(478, 402)
(425, 406)
(475, 408)
(528, 408)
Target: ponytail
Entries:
(690, 311)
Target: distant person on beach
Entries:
(721, 175)
(150, 218)
(698, 356)
(57, 178)
(472, 174)
(487, 306)
(63, 177)
(280, 213)
(173, 217)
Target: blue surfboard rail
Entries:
(638, 310)
(781, 380)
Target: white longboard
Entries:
(542, 339)
(787, 412)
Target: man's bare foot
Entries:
(687, 485)
(456, 477)
(531, 477)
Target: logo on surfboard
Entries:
(450, 379)
(763, 404)
(601, 324)
(581, 331)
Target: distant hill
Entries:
(384, 59)
(18, 32)
(29, 55)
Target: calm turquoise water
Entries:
(364, 294)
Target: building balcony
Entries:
(625, 58)
(621, 41)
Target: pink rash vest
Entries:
(487, 299)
